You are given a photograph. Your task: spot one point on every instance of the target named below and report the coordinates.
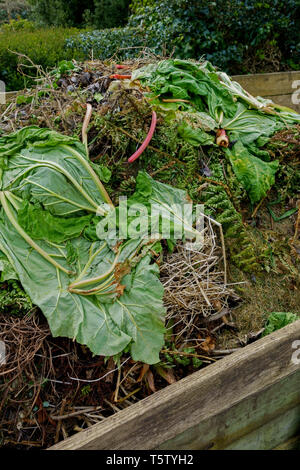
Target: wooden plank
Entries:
(291, 444)
(276, 86)
(269, 84)
(272, 434)
(182, 406)
(248, 422)
(6, 98)
(13, 94)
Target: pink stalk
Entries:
(86, 121)
(146, 141)
(119, 77)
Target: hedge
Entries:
(124, 42)
(238, 36)
(45, 47)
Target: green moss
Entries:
(13, 299)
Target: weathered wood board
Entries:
(280, 87)
(250, 399)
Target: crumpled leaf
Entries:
(29, 137)
(202, 99)
(6, 269)
(42, 225)
(195, 136)
(102, 171)
(139, 311)
(277, 320)
(247, 125)
(44, 166)
(197, 83)
(256, 175)
(173, 204)
(106, 326)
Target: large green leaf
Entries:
(42, 225)
(247, 125)
(256, 175)
(105, 322)
(197, 83)
(103, 291)
(140, 313)
(46, 167)
(173, 204)
(195, 136)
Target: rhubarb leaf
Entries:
(42, 225)
(256, 175)
(247, 125)
(106, 326)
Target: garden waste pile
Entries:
(165, 133)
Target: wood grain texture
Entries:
(271, 434)
(269, 84)
(290, 444)
(184, 406)
(260, 421)
(277, 86)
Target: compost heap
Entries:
(106, 294)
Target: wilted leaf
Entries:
(166, 374)
(208, 344)
(277, 320)
(150, 381)
(256, 175)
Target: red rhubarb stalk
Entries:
(146, 141)
(119, 77)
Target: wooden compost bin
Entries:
(248, 400)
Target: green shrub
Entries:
(20, 24)
(12, 9)
(45, 47)
(124, 42)
(238, 36)
(110, 13)
(92, 13)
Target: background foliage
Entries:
(238, 36)
(94, 13)
(11, 9)
(44, 46)
(231, 33)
